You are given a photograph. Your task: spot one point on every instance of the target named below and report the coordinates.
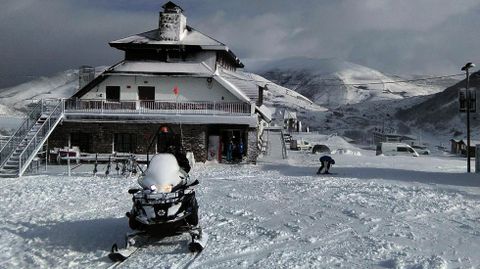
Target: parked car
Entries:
(422, 150)
(396, 149)
(300, 145)
(320, 149)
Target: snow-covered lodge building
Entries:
(171, 76)
(175, 76)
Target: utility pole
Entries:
(467, 97)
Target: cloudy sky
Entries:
(41, 37)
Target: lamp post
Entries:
(467, 97)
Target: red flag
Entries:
(175, 90)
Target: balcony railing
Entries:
(156, 107)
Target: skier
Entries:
(326, 161)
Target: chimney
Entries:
(260, 95)
(172, 23)
(85, 75)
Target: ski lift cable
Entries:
(355, 84)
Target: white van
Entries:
(300, 145)
(396, 149)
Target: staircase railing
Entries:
(39, 137)
(284, 146)
(20, 134)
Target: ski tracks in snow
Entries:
(259, 216)
(264, 252)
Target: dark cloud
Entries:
(425, 36)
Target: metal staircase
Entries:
(17, 155)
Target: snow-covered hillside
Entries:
(375, 212)
(440, 112)
(433, 119)
(15, 100)
(331, 82)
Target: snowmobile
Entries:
(165, 205)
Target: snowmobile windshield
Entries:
(163, 170)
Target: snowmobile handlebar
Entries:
(133, 191)
(185, 186)
(176, 188)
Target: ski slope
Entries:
(375, 212)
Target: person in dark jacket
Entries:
(240, 149)
(168, 142)
(230, 151)
(326, 161)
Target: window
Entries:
(113, 93)
(125, 143)
(401, 149)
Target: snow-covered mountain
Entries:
(332, 82)
(439, 113)
(15, 100)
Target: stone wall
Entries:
(252, 149)
(101, 136)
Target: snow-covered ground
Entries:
(374, 212)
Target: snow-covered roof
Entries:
(464, 141)
(243, 82)
(236, 91)
(265, 112)
(171, 5)
(152, 37)
(162, 67)
(191, 37)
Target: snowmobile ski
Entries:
(117, 255)
(121, 255)
(199, 242)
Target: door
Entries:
(146, 96)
